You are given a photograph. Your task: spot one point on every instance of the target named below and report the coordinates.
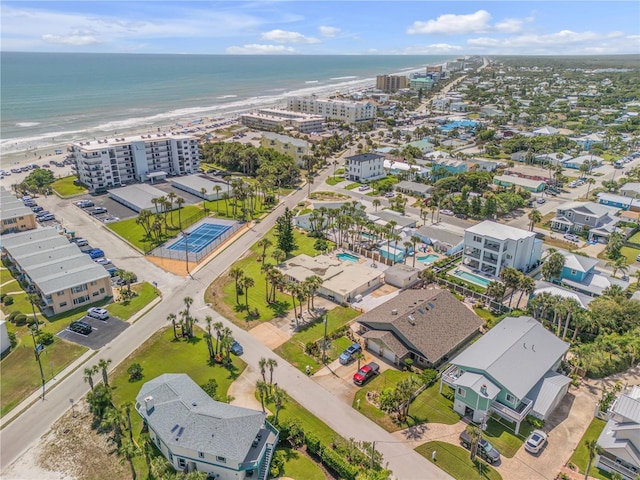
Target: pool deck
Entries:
(463, 268)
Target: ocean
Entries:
(54, 98)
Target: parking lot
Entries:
(103, 332)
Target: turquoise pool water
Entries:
(347, 256)
(473, 278)
(428, 258)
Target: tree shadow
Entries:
(194, 340)
(280, 308)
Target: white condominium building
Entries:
(343, 110)
(490, 247)
(115, 162)
(274, 120)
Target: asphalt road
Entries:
(34, 422)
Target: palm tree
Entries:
(528, 286)
(535, 217)
(263, 389)
(428, 275)
(218, 328)
(376, 203)
(511, 278)
(262, 365)
(474, 434)
(208, 320)
(280, 397)
(203, 192)
(113, 419)
(594, 449)
(172, 318)
(272, 363)
(225, 197)
(619, 264)
(88, 375)
(314, 282)
(278, 255)
(570, 306)
(590, 181)
(180, 201)
(247, 283)
(414, 240)
(217, 189)
(359, 356)
(264, 244)
(34, 299)
(237, 273)
(104, 365)
(128, 451)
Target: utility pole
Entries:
(373, 451)
(186, 253)
(37, 353)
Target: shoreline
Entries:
(21, 151)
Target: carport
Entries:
(137, 197)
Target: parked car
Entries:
(540, 200)
(98, 211)
(37, 209)
(347, 355)
(102, 261)
(236, 348)
(95, 253)
(99, 313)
(461, 215)
(364, 188)
(85, 203)
(368, 371)
(111, 219)
(80, 327)
(536, 441)
(46, 218)
(486, 451)
(81, 242)
(389, 195)
(446, 212)
(638, 258)
(571, 237)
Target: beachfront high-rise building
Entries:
(276, 120)
(391, 83)
(342, 110)
(103, 164)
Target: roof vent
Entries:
(524, 345)
(394, 311)
(194, 404)
(483, 389)
(412, 320)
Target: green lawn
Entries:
(251, 265)
(489, 318)
(300, 467)
(456, 462)
(21, 372)
(334, 180)
(135, 234)
(351, 186)
(580, 456)
(336, 318)
(635, 238)
(5, 276)
(429, 406)
(65, 187)
(501, 436)
(630, 254)
(145, 293)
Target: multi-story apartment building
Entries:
(343, 110)
(56, 270)
(490, 247)
(391, 83)
(273, 119)
(424, 83)
(365, 167)
(115, 162)
(14, 216)
(294, 147)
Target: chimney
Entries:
(483, 390)
(394, 311)
(148, 403)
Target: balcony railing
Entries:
(492, 246)
(515, 415)
(617, 466)
(490, 259)
(450, 375)
(473, 253)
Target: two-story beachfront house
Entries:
(365, 167)
(620, 440)
(195, 432)
(574, 217)
(511, 371)
(490, 247)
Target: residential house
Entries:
(575, 217)
(401, 275)
(535, 186)
(365, 167)
(512, 371)
(426, 326)
(447, 240)
(489, 247)
(342, 280)
(57, 271)
(587, 141)
(631, 189)
(619, 441)
(296, 148)
(459, 107)
(425, 146)
(520, 156)
(440, 103)
(575, 163)
(14, 216)
(554, 159)
(560, 291)
(491, 111)
(196, 433)
(619, 201)
(482, 165)
(393, 167)
(415, 189)
(545, 131)
(579, 274)
(448, 166)
(382, 217)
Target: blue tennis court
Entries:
(200, 237)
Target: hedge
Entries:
(338, 464)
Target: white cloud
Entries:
(477, 22)
(258, 49)
(282, 36)
(77, 40)
(328, 32)
(509, 25)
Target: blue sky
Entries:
(337, 27)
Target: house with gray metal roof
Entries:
(63, 276)
(195, 432)
(511, 372)
(426, 326)
(620, 440)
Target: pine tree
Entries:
(284, 232)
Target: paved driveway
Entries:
(103, 332)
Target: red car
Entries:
(365, 373)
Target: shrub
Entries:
(135, 374)
(8, 300)
(312, 348)
(20, 319)
(313, 444)
(338, 464)
(32, 321)
(448, 393)
(12, 316)
(2, 295)
(535, 422)
(429, 376)
(13, 339)
(46, 338)
(408, 363)
(277, 463)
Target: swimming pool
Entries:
(347, 256)
(432, 257)
(200, 238)
(472, 277)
